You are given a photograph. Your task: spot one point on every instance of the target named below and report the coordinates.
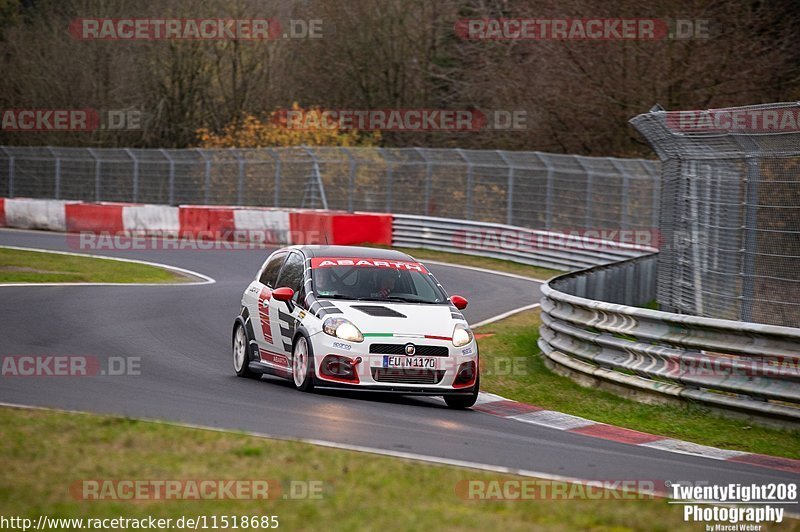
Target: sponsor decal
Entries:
(341, 345)
(273, 358)
(263, 313)
(330, 262)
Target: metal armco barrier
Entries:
(589, 328)
(527, 246)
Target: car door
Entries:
(286, 315)
(256, 300)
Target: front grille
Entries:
(400, 349)
(407, 376)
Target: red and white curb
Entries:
(526, 413)
(259, 224)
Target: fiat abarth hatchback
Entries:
(356, 318)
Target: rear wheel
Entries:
(460, 402)
(241, 360)
(303, 365)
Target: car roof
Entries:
(352, 252)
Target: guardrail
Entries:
(747, 367)
(518, 244)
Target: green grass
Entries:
(18, 266)
(534, 272)
(512, 344)
(45, 453)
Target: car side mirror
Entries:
(460, 302)
(283, 294)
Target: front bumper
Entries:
(349, 365)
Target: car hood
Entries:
(418, 320)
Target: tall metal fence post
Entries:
(548, 220)
(276, 200)
(470, 178)
(750, 235)
(509, 189)
(428, 179)
(171, 190)
(351, 181)
(56, 173)
(623, 211)
(389, 179)
(240, 177)
(587, 219)
(96, 174)
(135, 184)
(207, 177)
(653, 173)
(11, 169)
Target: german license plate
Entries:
(409, 362)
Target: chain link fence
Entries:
(527, 189)
(730, 211)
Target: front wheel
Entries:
(459, 402)
(303, 365)
(241, 361)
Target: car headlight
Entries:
(342, 328)
(462, 335)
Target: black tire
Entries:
(304, 379)
(460, 402)
(241, 359)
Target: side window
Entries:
(270, 274)
(292, 273)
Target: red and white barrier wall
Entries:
(278, 226)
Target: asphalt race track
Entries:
(182, 334)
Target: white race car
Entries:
(356, 318)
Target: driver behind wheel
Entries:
(387, 280)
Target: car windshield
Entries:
(374, 280)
